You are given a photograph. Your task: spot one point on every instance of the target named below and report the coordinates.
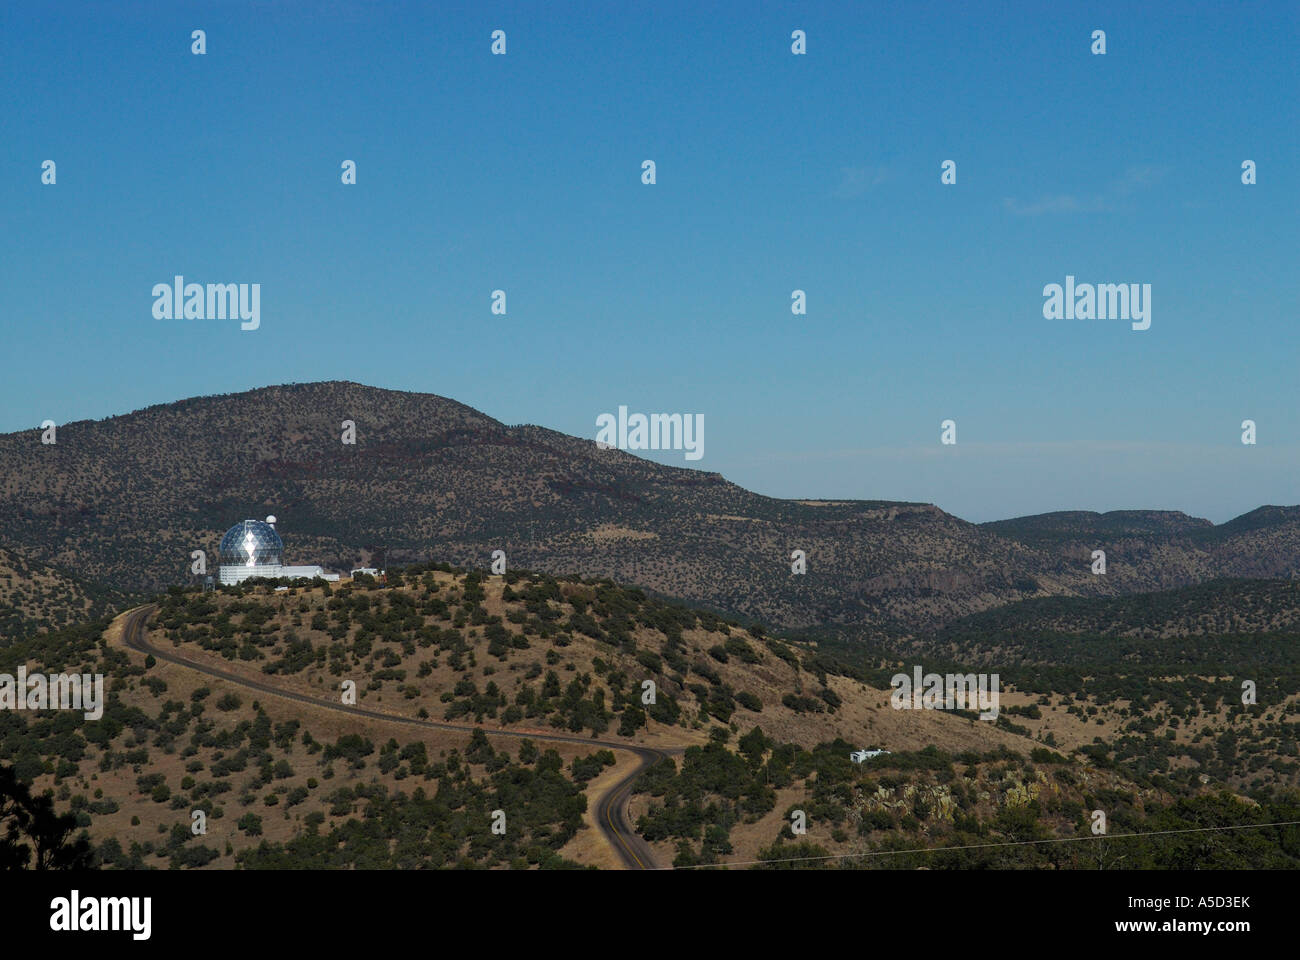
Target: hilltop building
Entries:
(859, 756)
(252, 548)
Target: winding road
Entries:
(611, 806)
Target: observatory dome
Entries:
(251, 544)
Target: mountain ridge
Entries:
(126, 499)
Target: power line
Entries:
(984, 846)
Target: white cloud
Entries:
(855, 181)
(1133, 180)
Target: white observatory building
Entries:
(252, 548)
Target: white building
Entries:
(308, 572)
(252, 548)
(858, 756)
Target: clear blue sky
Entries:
(775, 172)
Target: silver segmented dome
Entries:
(251, 543)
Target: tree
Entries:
(754, 744)
(32, 819)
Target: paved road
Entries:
(611, 806)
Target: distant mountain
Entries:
(1071, 525)
(127, 499)
(1219, 608)
(1174, 647)
(1166, 549)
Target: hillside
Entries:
(930, 809)
(1218, 607)
(1152, 550)
(753, 727)
(531, 652)
(283, 783)
(125, 501)
(128, 498)
(1086, 526)
(1198, 683)
(34, 596)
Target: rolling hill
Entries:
(749, 729)
(34, 596)
(126, 500)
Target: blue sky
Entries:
(775, 172)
